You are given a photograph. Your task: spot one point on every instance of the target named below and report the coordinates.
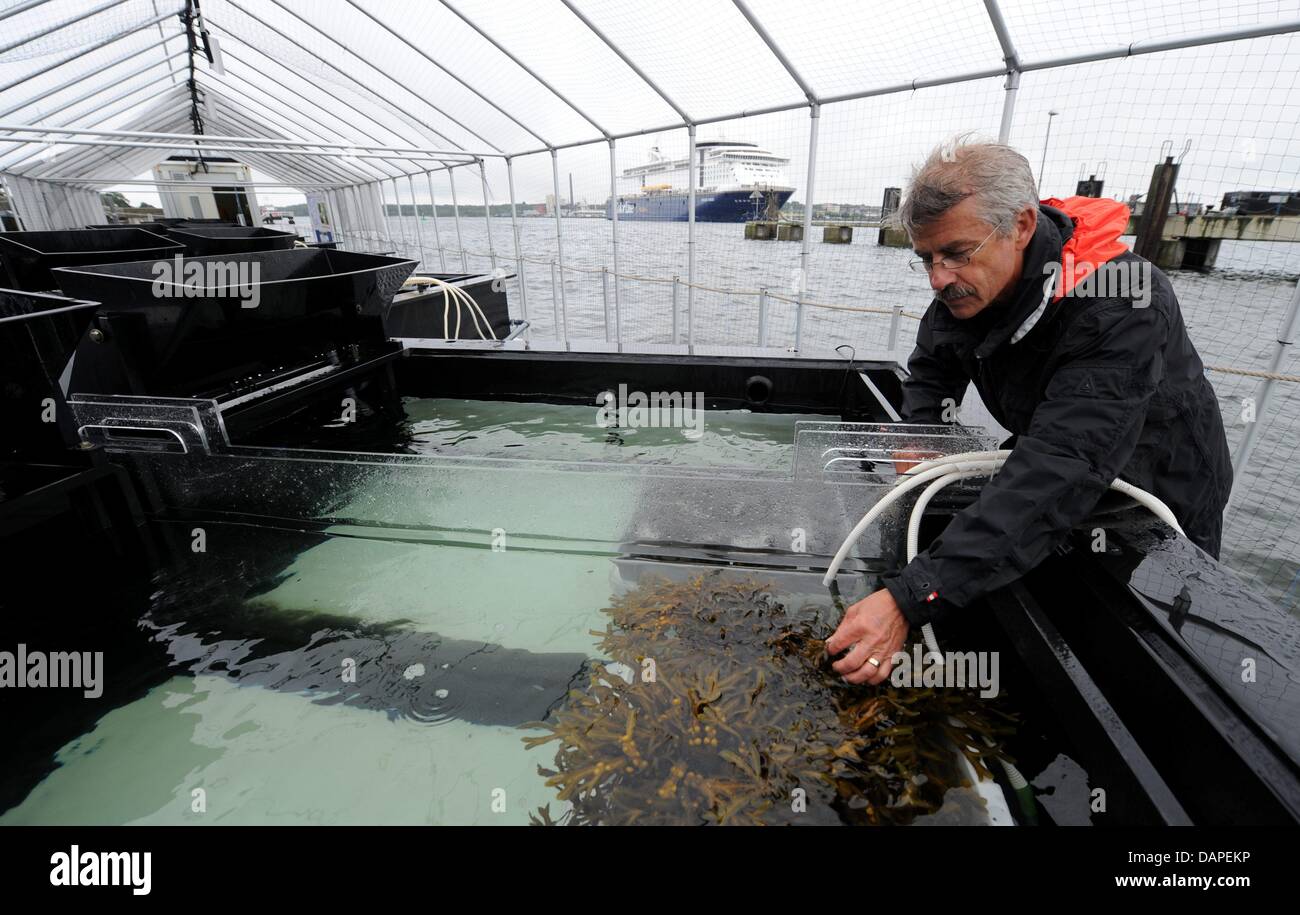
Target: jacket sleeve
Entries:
(934, 373)
(1081, 435)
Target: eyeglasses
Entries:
(952, 261)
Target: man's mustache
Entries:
(952, 291)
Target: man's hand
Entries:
(906, 460)
(875, 628)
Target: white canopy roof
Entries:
(401, 86)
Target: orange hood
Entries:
(1098, 224)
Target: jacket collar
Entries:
(989, 329)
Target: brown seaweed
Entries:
(734, 716)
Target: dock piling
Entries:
(1151, 225)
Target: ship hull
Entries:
(716, 206)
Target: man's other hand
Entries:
(874, 627)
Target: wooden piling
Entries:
(1155, 210)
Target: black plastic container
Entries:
(419, 313)
(38, 334)
(207, 241)
(163, 223)
(247, 315)
(28, 257)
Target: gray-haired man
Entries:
(1077, 346)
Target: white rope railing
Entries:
(830, 306)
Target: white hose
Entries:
(452, 293)
(918, 510)
(1157, 507)
(914, 532)
(908, 483)
(962, 463)
(942, 472)
(951, 458)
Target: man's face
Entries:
(993, 269)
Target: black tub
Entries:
(249, 314)
(161, 224)
(419, 312)
(206, 241)
(28, 257)
(38, 334)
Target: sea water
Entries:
(463, 610)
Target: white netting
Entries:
(51, 28)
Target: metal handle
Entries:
(107, 441)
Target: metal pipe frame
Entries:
(311, 103)
(1012, 69)
(261, 72)
(82, 52)
(1012, 60)
(21, 8)
(415, 212)
(200, 140)
(487, 215)
(194, 137)
(356, 220)
(378, 217)
(347, 170)
(1003, 33)
(1133, 49)
(814, 122)
(225, 81)
(86, 96)
(94, 11)
(386, 170)
(400, 85)
(1136, 48)
(1012, 88)
(776, 51)
(357, 211)
(343, 219)
(437, 233)
(104, 116)
(291, 166)
(402, 38)
(455, 214)
(67, 84)
(163, 33)
(397, 197)
(514, 228)
(613, 231)
(523, 66)
(1286, 334)
(336, 215)
(366, 90)
(76, 157)
(383, 209)
(690, 240)
(563, 326)
(686, 118)
(148, 182)
(84, 159)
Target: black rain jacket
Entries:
(1096, 389)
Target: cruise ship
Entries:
(734, 182)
